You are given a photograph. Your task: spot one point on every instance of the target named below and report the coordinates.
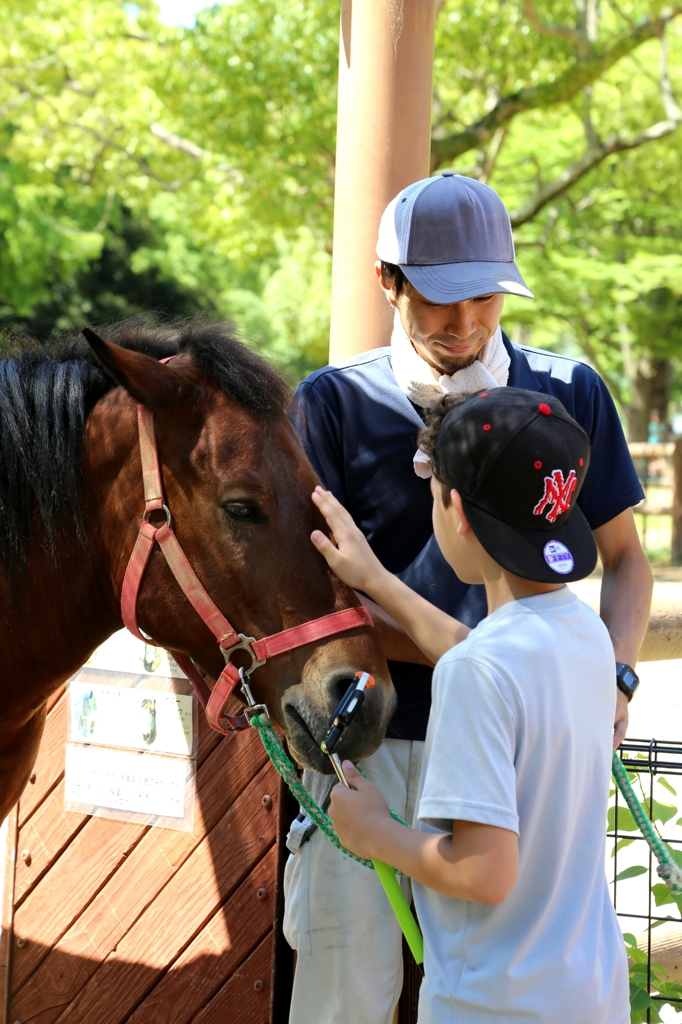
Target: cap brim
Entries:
(524, 552)
(455, 282)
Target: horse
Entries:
(237, 486)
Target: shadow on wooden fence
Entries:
(112, 922)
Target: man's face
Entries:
(448, 337)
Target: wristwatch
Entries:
(627, 679)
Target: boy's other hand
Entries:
(348, 554)
(358, 813)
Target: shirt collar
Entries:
(520, 373)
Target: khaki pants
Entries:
(349, 949)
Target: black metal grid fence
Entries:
(652, 760)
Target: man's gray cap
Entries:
(452, 238)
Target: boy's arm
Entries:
(477, 862)
(352, 559)
(395, 643)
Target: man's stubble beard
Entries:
(453, 366)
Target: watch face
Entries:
(627, 678)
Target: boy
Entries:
(507, 857)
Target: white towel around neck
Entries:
(425, 386)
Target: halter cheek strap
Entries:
(229, 640)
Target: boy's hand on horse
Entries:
(348, 554)
(358, 813)
(351, 558)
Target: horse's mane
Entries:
(47, 392)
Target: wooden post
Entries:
(8, 854)
(382, 144)
(676, 553)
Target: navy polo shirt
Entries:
(360, 432)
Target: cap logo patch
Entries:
(558, 557)
(558, 494)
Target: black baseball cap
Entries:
(518, 461)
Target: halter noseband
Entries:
(228, 639)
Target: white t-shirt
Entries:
(520, 737)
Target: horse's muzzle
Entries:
(307, 722)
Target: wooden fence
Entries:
(106, 922)
(642, 454)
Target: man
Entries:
(446, 260)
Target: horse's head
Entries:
(238, 486)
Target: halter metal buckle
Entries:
(150, 511)
(244, 644)
(252, 709)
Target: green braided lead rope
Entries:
(667, 869)
(287, 770)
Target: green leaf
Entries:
(662, 812)
(629, 939)
(625, 822)
(632, 872)
(661, 893)
(638, 957)
(620, 845)
(672, 989)
(666, 785)
(639, 998)
(641, 1003)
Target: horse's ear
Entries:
(148, 381)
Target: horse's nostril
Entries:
(337, 690)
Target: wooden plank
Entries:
(245, 998)
(216, 953)
(55, 697)
(49, 766)
(91, 934)
(663, 639)
(205, 881)
(408, 1005)
(658, 450)
(43, 839)
(49, 830)
(282, 953)
(91, 859)
(6, 920)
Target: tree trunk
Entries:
(651, 391)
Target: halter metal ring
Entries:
(149, 511)
(245, 644)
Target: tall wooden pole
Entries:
(382, 145)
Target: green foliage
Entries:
(642, 1007)
(68, 144)
(642, 974)
(599, 248)
(220, 140)
(108, 288)
(254, 85)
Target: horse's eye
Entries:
(243, 512)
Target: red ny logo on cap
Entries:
(557, 494)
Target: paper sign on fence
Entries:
(101, 779)
(117, 716)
